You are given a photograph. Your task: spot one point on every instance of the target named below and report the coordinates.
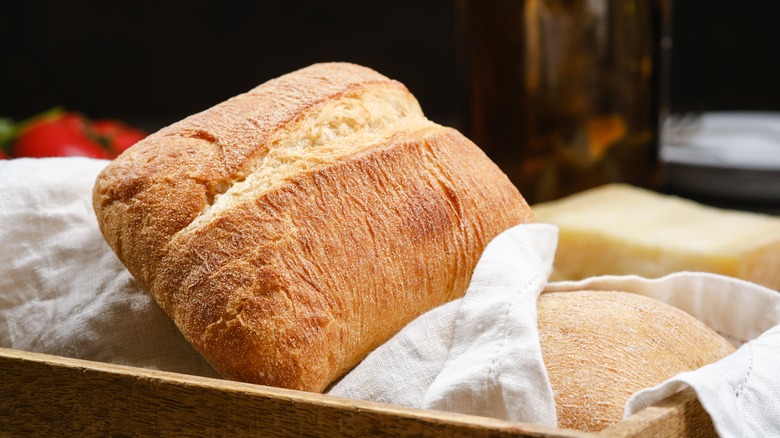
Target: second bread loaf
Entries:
(600, 347)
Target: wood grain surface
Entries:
(42, 395)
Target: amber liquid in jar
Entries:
(565, 95)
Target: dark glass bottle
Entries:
(565, 95)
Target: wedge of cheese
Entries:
(620, 229)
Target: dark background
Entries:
(154, 62)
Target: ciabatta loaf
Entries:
(601, 347)
(292, 229)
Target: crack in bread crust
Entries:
(331, 131)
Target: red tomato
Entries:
(3, 156)
(65, 135)
(118, 135)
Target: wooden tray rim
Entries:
(27, 392)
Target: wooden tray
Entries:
(43, 395)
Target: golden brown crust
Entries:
(147, 196)
(601, 347)
(290, 278)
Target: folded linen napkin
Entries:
(479, 354)
(62, 289)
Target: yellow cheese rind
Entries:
(620, 229)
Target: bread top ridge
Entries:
(290, 230)
(186, 166)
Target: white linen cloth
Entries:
(63, 292)
(62, 289)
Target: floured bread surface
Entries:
(290, 230)
(601, 347)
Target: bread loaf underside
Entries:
(291, 230)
